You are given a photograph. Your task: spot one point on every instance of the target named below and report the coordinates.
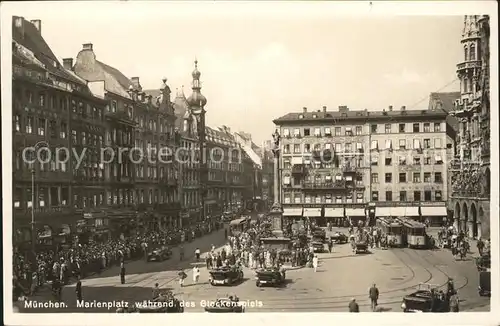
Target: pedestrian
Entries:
(196, 274)
(353, 306)
(122, 272)
(156, 291)
(181, 253)
(315, 263)
(480, 246)
(373, 294)
(454, 303)
(197, 253)
(78, 289)
(330, 245)
(182, 276)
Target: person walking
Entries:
(182, 277)
(197, 253)
(181, 253)
(122, 272)
(454, 303)
(78, 289)
(480, 246)
(196, 274)
(373, 294)
(353, 306)
(315, 263)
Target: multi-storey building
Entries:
(354, 164)
(470, 200)
(54, 109)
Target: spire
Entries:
(196, 100)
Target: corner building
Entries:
(357, 165)
(470, 173)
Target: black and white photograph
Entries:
(250, 157)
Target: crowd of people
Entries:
(82, 259)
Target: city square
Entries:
(133, 198)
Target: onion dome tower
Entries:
(196, 100)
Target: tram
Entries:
(414, 234)
(394, 231)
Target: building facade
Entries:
(352, 165)
(470, 173)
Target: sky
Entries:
(256, 65)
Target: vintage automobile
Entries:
(227, 275)
(159, 254)
(270, 276)
(225, 305)
(317, 245)
(340, 238)
(319, 234)
(162, 304)
(361, 247)
(422, 300)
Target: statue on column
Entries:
(276, 139)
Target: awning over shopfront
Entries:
(312, 212)
(399, 211)
(292, 212)
(354, 212)
(334, 212)
(383, 211)
(411, 211)
(433, 211)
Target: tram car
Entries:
(413, 234)
(394, 231)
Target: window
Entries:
(338, 148)
(388, 144)
(402, 196)
(297, 199)
(328, 146)
(338, 131)
(374, 160)
(427, 160)
(438, 195)
(402, 177)
(338, 199)
(427, 143)
(472, 52)
(388, 178)
(328, 131)
(427, 195)
(286, 149)
(317, 147)
(359, 147)
(416, 177)
(374, 129)
(307, 132)
(113, 106)
(286, 132)
(387, 128)
(374, 145)
(402, 144)
(17, 122)
(388, 196)
(41, 99)
(402, 127)
(416, 196)
(374, 177)
(53, 129)
(416, 127)
(287, 164)
(74, 137)
(438, 177)
(307, 148)
(29, 125)
(388, 161)
(374, 195)
(348, 131)
(318, 200)
(307, 199)
(359, 130)
(438, 159)
(416, 160)
(437, 126)
(438, 143)
(296, 132)
(317, 132)
(296, 148)
(427, 177)
(348, 148)
(402, 160)
(427, 127)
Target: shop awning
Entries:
(312, 212)
(398, 211)
(238, 221)
(334, 212)
(354, 212)
(383, 211)
(433, 211)
(292, 212)
(412, 211)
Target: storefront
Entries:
(335, 215)
(412, 212)
(436, 215)
(292, 214)
(314, 215)
(97, 224)
(355, 215)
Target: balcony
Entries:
(324, 155)
(469, 65)
(338, 184)
(298, 169)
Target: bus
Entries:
(414, 234)
(239, 225)
(394, 231)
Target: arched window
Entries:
(465, 85)
(472, 52)
(466, 53)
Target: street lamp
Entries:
(38, 145)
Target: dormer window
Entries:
(301, 116)
(314, 116)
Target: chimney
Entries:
(324, 108)
(304, 109)
(19, 23)
(390, 107)
(141, 96)
(68, 63)
(403, 108)
(135, 82)
(88, 46)
(38, 25)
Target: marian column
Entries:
(276, 211)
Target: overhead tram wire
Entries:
(427, 96)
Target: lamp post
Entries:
(38, 145)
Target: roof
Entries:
(33, 40)
(115, 81)
(445, 101)
(336, 116)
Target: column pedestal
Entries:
(276, 215)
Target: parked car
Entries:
(226, 275)
(225, 305)
(159, 254)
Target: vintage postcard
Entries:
(292, 161)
